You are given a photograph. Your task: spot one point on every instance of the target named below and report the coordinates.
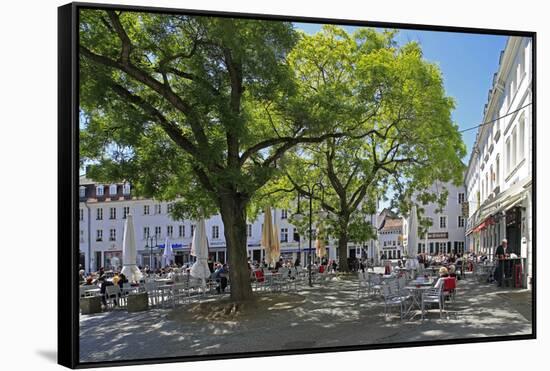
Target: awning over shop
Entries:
(486, 223)
(502, 202)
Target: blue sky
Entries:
(467, 62)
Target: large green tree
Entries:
(406, 140)
(198, 108)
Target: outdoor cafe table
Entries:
(417, 288)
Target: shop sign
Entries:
(438, 235)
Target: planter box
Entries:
(138, 302)
(90, 304)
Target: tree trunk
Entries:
(343, 247)
(233, 213)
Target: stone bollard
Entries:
(138, 302)
(90, 304)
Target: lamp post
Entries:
(299, 217)
(149, 244)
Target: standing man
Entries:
(500, 254)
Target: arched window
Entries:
(112, 189)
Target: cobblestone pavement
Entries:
(329, 314)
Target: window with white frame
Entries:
(249, 230)
(284, 214)
(521, 137)
(522, 63)
(443, 221)
(112, 235)
(112, 213)
(99, 214)
(125, 211)
(81, 214)
(99, 190)
(284, 234)
(169, 208)
(158, 209)
(158, 232)
(112, 190)
(461, 221)
(514, 146)
(99, 235)
(486, 185)
(169, 230)
(146, 232)
(491, 178)
(192, 230)
(126, 189)
(215, 232)
(82, 191)
(461, 197)
(508, 156)
(497, 171)
(145, 209)
(181, 230)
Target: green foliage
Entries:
(394, 105)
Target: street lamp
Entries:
(149, 244)
(299, 217)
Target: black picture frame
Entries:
(68, 181)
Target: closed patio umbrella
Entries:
(267, 236)
(276, 248)
(200, 269)
(168, 254)
(129, 252)
(320, 248)
(412, 240)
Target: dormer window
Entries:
(112, 189)
(126, 189)
(99, 190)
(82, 192)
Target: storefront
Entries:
(513, 229)
(112, 260)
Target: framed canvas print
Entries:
(240, 185)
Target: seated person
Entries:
(89, 281)
(443, 273)
(220, 275)
(452, 271)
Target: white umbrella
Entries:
(199, 249)
(268, 237)
(168, 254)
(412, 239)
(276, 247)
(129, 252)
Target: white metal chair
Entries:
(374, 283)
(394, 299)
(433, 296)
(363, 283)
(113, 292)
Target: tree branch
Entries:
(170, 128)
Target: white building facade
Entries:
(103, 210)
(499, 175)
(446, 235)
